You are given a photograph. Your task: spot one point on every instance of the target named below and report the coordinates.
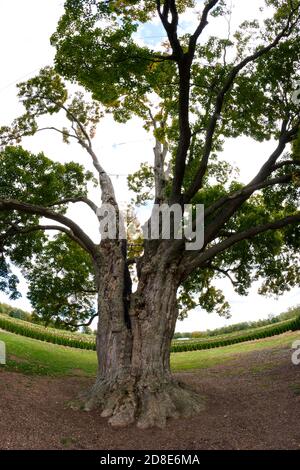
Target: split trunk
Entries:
(135, 330)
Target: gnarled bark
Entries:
(134, 382)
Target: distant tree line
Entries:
(20, 314)
(290, 313)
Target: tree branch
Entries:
(107, 189)
(77, 325)
(242, 193)
(203, 23)
(246, 191)
(79, 124)
(15, 229)
(76, 231)
(285, 137)
(237, 237)
(170, 27)
(84, 199)
(52, 128)
(184, 61)
(106, 185)
(160, 152)
(285, 163)
(184, 67)
(198, 180)
(233, 204)
(225, 272)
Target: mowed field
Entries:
(252, 394)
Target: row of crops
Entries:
(83, 341)
(250, 335)
(50, 335)
(237, 334)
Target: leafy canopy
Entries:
(99, 47)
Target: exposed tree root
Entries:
(147, 403)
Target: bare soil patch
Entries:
(252, 403)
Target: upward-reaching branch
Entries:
(203, 23)
(169, 8)
(211, 252)
(106, 185)
(285, 137)
(107, 189)
(108, 194)
(247, 191)
(198, 179)
(233, 204)
(83, 138)
(225, 206)
(160, 152)
(184, 61)
(184, 68)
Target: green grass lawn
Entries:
(36, 357)
(211, 357)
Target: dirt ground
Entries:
(252, 403)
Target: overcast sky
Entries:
(25, 28)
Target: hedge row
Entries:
(291, 325)
(77, 340)
(50, 335)
(235, 334)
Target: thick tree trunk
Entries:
(134, 382)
